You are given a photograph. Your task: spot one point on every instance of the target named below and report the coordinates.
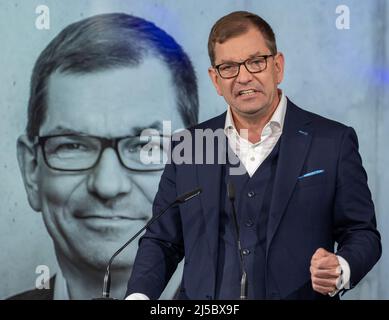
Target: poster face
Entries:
(80, 73)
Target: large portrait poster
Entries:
(337, 65)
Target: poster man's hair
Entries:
(109, 41)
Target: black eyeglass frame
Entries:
(105, 143)
(239, 64)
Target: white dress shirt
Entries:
(253, 154)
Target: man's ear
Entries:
(279, 66)
(214, 78)
(29, 168)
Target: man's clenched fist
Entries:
(325, 270)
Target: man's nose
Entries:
(108, 178)
(244, 75)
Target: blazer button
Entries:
(249, 223)
(246, 252)
(251, 194)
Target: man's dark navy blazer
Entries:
(308, 211)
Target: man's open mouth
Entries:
(247, 92)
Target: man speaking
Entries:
(269, 233)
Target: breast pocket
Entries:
(312, 180)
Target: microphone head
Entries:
(231, 191)
(189, 195)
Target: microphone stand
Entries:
(107, 277)
(244, 280)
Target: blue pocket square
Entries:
(311, 174)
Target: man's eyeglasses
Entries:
(231, 69)
(70, 152)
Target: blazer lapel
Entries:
(209, 178)
(295, 142)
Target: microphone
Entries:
(244, 280)
(107, 277)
